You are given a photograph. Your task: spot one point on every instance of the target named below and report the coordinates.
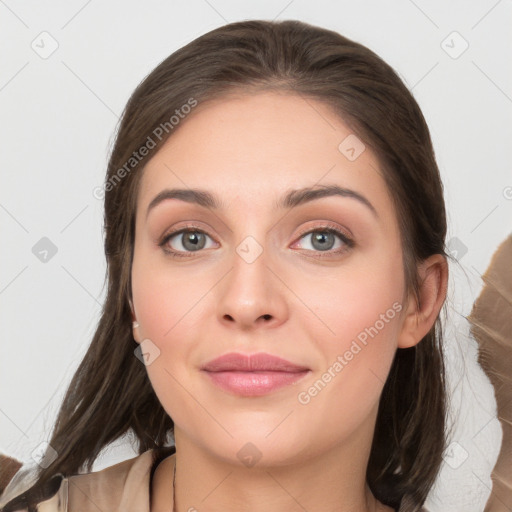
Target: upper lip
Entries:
(261, 361)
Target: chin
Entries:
(251, 447)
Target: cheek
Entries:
(365, 292)
(366, 308)
(171, 304)
(359, 310)
(167, 305)
(166, 302)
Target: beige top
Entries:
(123, 487)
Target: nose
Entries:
(251, 295)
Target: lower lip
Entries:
(254, 383)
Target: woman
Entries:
(275, 239)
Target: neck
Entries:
(332, 481)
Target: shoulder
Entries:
(117, 486)
(123, 486)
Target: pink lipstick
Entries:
(253, 374)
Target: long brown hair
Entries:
(110, 394)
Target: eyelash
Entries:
(327, 228)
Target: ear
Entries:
(419, 319)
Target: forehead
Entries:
(250, 149)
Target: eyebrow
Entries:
(291, 199)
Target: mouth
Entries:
(253, 375)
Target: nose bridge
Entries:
(250, 259)
(251, 243)
(250, 291)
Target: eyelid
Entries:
(330, 227)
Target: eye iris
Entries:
(321, 237)
(197, 240)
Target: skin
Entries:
(249, 150)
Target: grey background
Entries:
(59, 111)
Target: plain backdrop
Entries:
(68, 69)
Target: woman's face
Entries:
(259, 273)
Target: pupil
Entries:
(193, 241)
(321, 238)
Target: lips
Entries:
(252, 363)
(254, 374)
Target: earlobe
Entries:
(136, 336)
(419, 319)
(135, 329)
